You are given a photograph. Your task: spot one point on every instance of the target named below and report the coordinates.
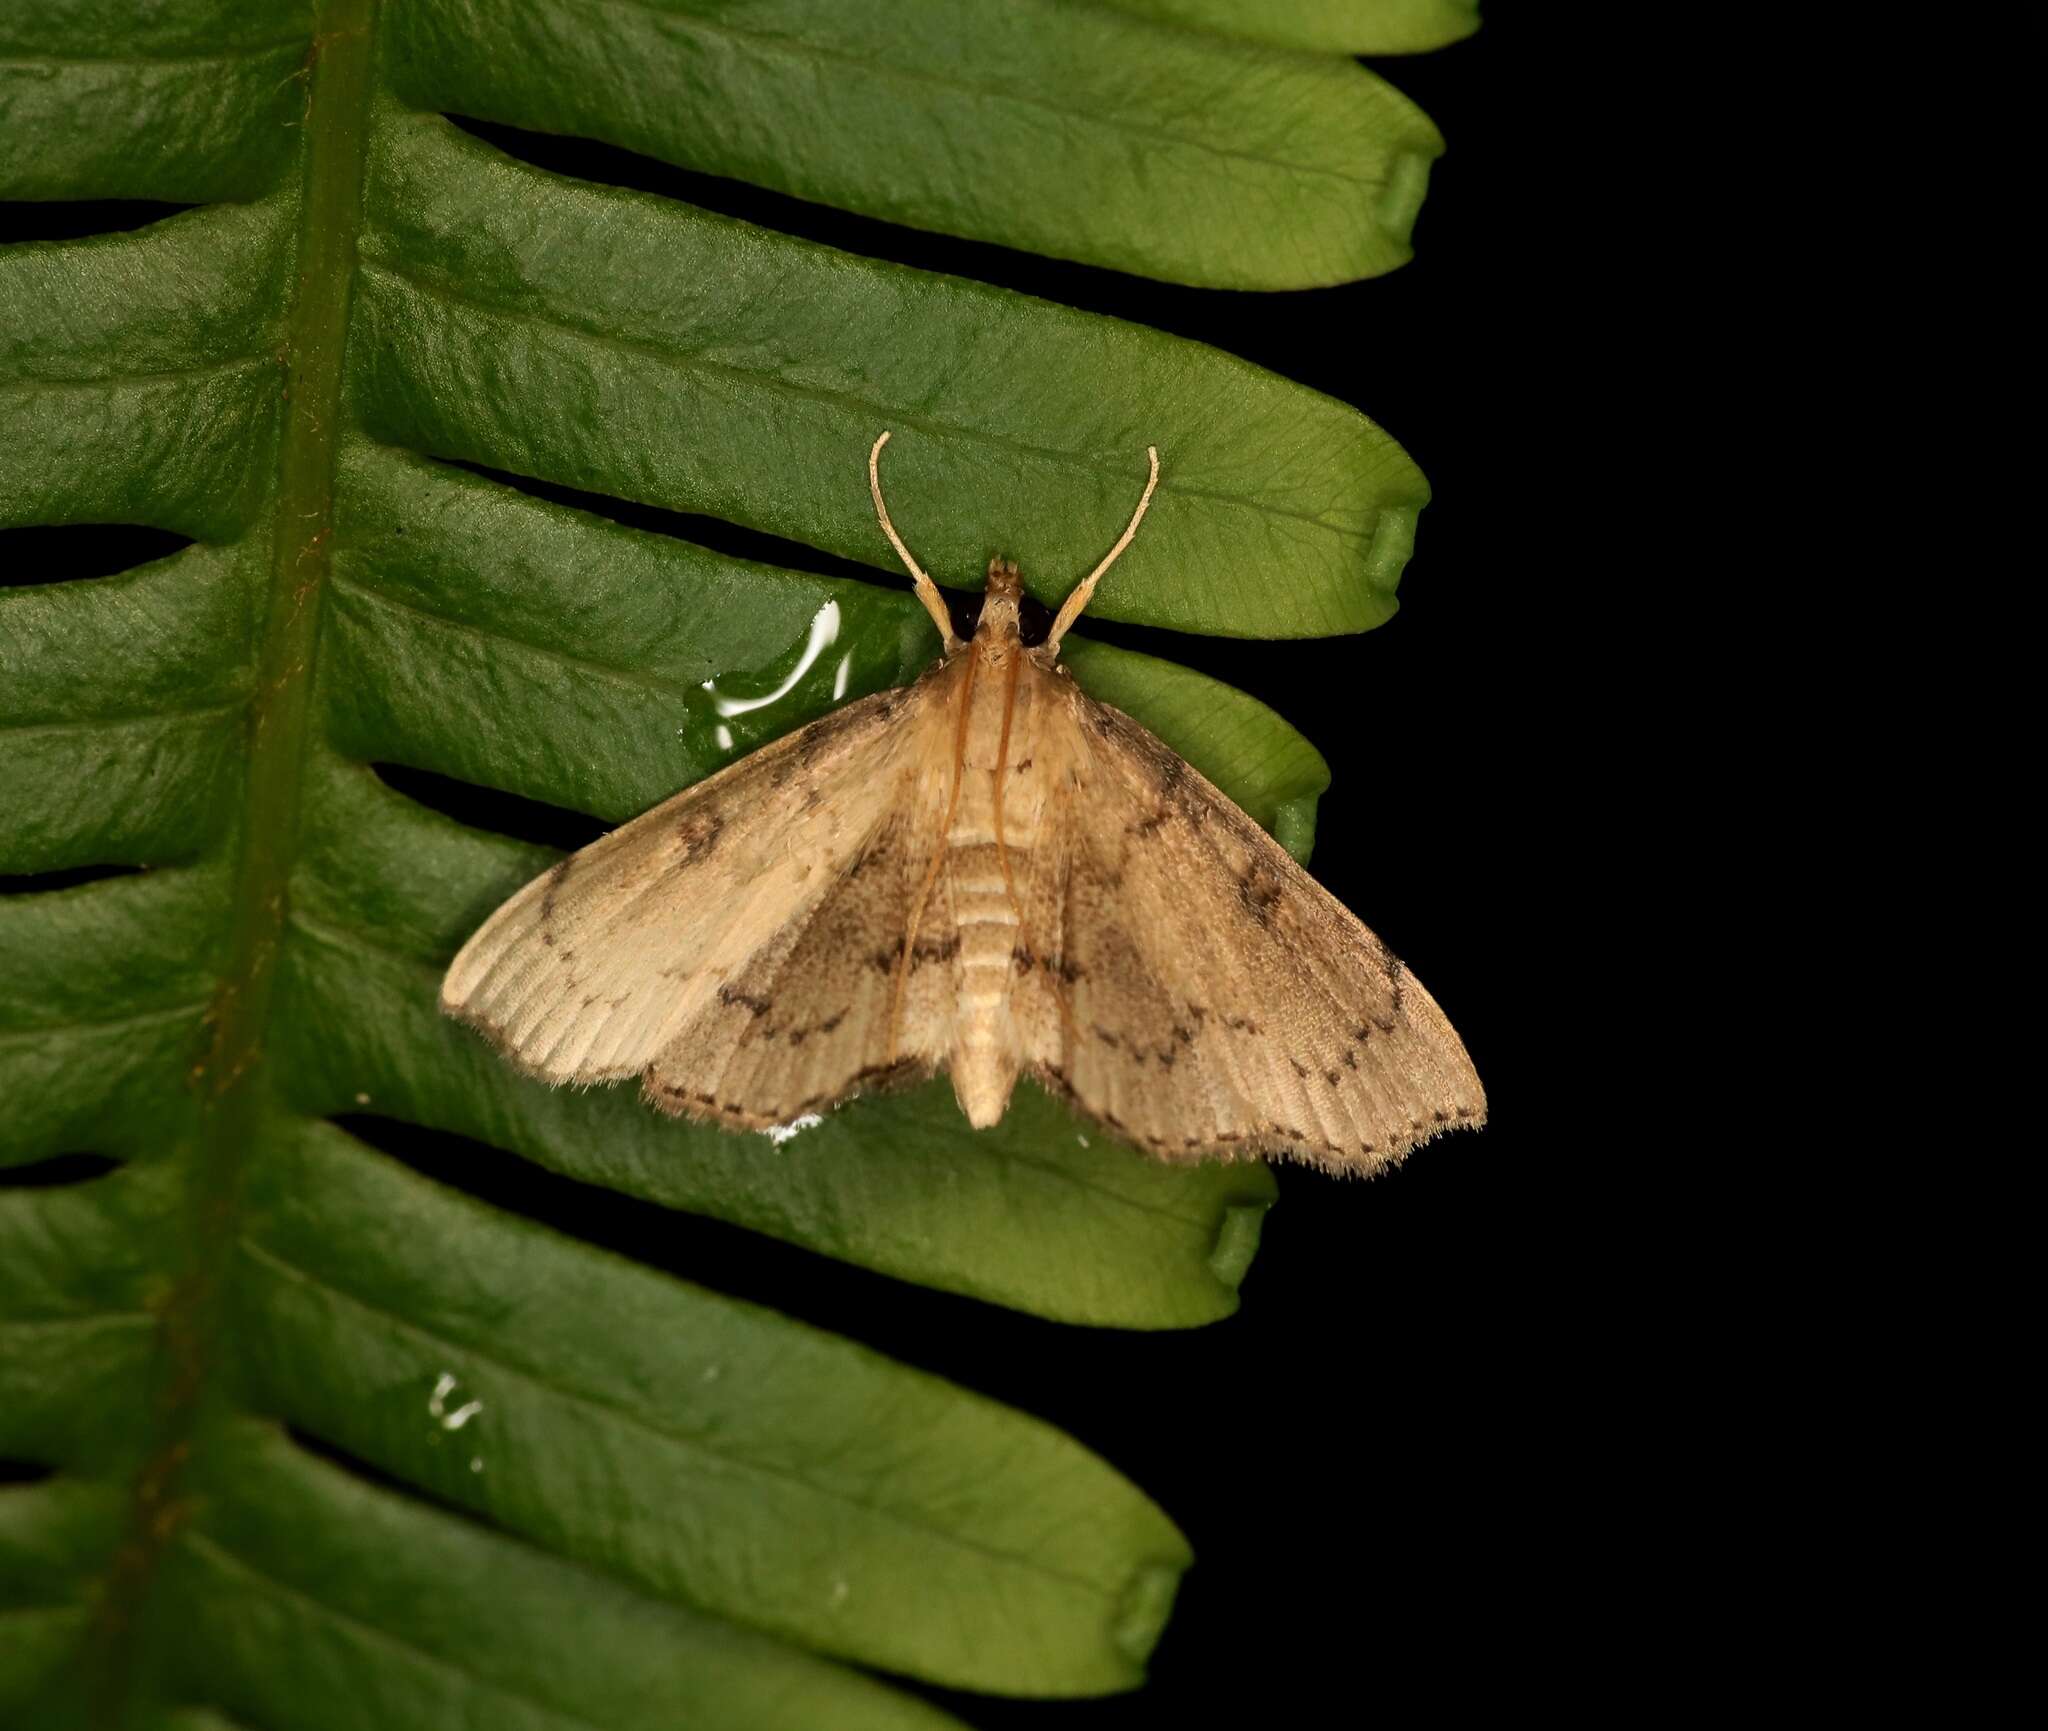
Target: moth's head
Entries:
(1001, 604)
(1005, 614)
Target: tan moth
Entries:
(987, 873)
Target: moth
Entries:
(988, 873)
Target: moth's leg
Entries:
(1070, 609)
(927, 590)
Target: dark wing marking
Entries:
(599, 965)
(1214, 998)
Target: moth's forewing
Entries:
(1200, 994)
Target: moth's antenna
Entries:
(1070, 609)
(927, 590)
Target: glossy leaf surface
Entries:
(1334, 26)
(305, 1437)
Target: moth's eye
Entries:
(1034, 622)
(964, 610)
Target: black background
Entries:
(1370, 1458)
(1375, 1459)
(1365, 1456)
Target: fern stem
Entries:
(230, 1077)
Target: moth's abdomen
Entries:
(985, 1057)
(983, 912)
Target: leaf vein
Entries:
(167, 717)
(45, 1029)
(874, 412)
(97, 1318)
(236, 1561)
(381, 596)
(340, 936)
(886, 71)
(225, 56)
(631, 1420)
(166, 375)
